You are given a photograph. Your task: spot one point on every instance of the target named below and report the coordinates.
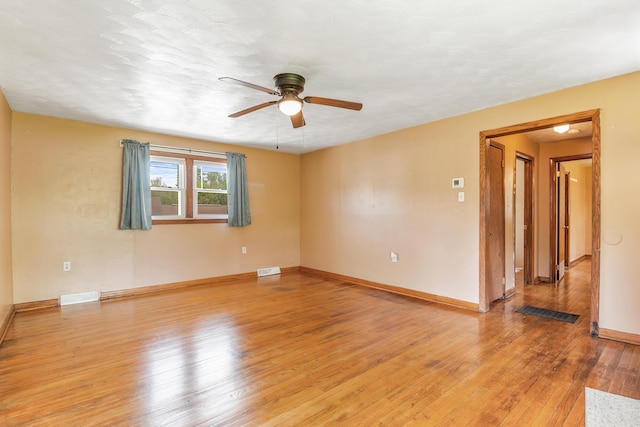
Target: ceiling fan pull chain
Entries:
(277, 130)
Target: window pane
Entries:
(164, 174)
(165, 203)
(212, 204)
(211, 177)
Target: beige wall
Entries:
(66, 200)
(588, 223)
(361, 201)
(580, 207)
(393, 192)
(6, 280)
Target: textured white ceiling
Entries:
(154, 64)
(576, 130)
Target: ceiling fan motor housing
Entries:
(289, 83)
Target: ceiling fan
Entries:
(288, 87)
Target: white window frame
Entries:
(180, 189)
(185, 158)
(197, 190)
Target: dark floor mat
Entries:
(549, 314)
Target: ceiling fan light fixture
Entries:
(289, 86)
(290, 104)
(561, 128)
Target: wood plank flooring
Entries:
(300, 350)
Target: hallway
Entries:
(571, 295)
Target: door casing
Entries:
(567, 219)
(560, 180)
(496, 264)
(529, 206)
(585, 116)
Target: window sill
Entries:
(190, 221)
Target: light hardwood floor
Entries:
(304, 351)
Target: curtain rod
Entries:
(168, 149)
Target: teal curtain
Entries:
(136, 186)
(237, 191)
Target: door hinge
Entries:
(502, 162)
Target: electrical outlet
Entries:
(244, 249)
(66, 266)
(394, 257)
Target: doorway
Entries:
(592, 116)
(560, 209)
(523, 218)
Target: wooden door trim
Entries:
(503, 152)
(585, 116)
(567, 219)
(529, 209)
(595, 224)
(483, 305)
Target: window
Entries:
(187, 189)
(167, 188)
(210, 187)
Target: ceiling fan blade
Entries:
(249, 85)
(297, 120)
(333, 102)
(252, 109)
